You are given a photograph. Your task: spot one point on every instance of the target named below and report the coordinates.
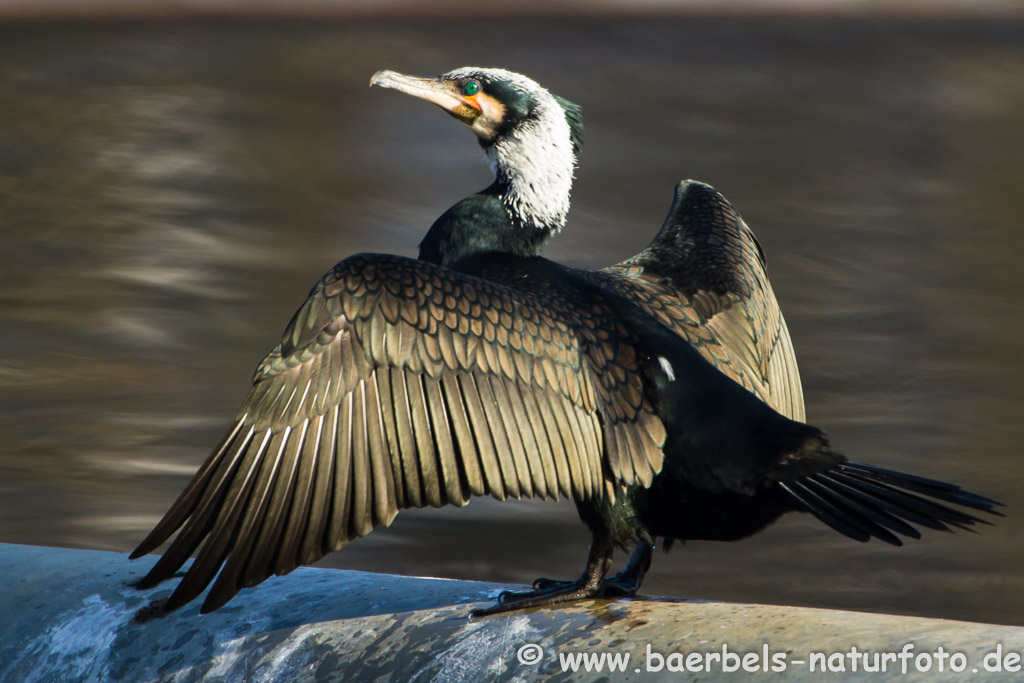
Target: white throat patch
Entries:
(538, 163)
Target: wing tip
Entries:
(683, 187)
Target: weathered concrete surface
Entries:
(68, 615)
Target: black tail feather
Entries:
(853, 487)
(840, 518)
(864, 502)
(930, 509)
(951, 493)
(879, 516)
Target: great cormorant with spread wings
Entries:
(661, 394)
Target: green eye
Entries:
(471, 88)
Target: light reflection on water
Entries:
(169, 193)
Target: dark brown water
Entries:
(168, 193)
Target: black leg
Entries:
(587, 586)
(627, 582)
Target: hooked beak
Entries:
(443, 93)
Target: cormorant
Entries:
(661, 394)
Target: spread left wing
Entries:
(402, 384)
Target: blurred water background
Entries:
(169, 191)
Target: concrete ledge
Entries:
(68, 615)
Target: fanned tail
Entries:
(864, 502)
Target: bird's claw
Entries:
(541, 587)
(550, 591)
(548, 585)
(505, 596)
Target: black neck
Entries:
(479, 224)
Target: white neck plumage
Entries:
(535, 162)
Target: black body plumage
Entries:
(661, 394)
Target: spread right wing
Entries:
(704, 276)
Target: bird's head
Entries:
(531, 137)
(494, 103)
